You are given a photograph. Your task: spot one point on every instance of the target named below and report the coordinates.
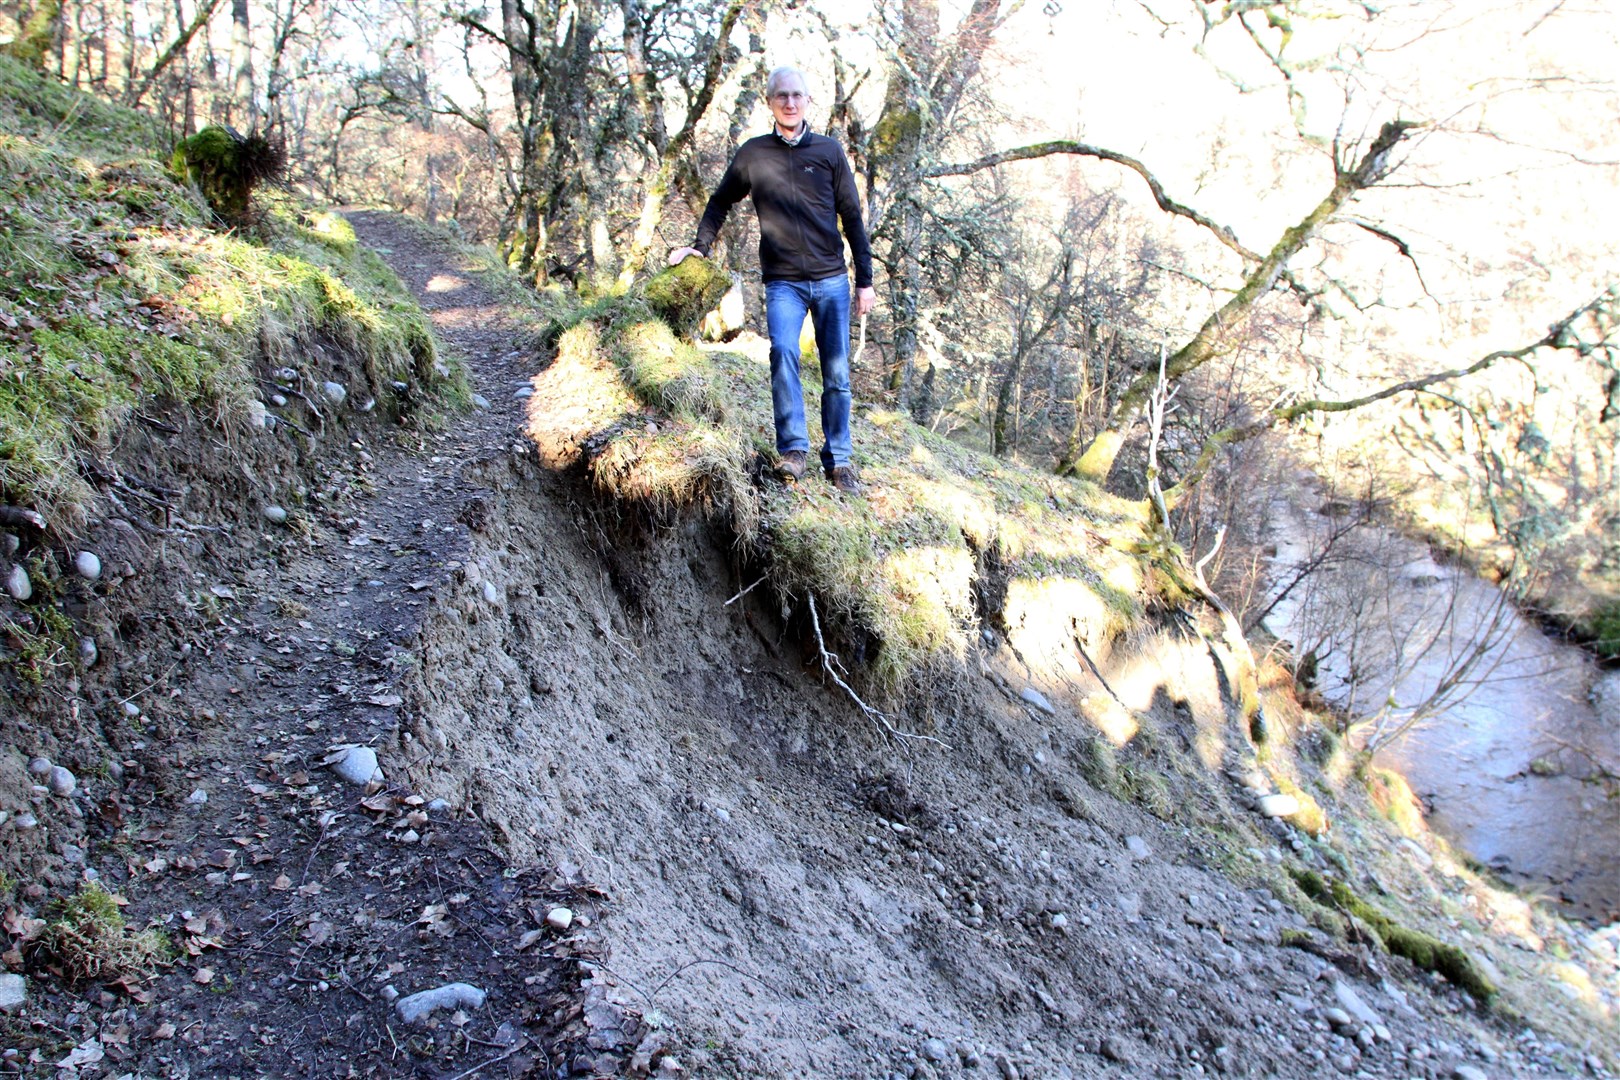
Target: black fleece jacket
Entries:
(800, 193)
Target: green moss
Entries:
(681, 295)
(86, 939)
(227, 167)
(1606, 631)
(1424, 950)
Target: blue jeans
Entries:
(827, 302)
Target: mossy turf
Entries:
(1424, 950)
(116, 292)
(908, 565)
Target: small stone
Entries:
(1114, 1050)
(88, 652)
(87, 565)
(73, 854)
(1469, 1072)
(1337, 1017)
(523, 392)
(62, 781)
(389, 994)
(1278, 805)
(410, 836)
(559, 918)
(418, 1007)
(285, 375)
(438, 806)
(480, 401)
(9, 544)
(492, 594)
(275, 515)
(1138, 848)
(41, 766)
(198, 797)
(258, 415)
(358, 765)
(935, 1050)
(1353, 1004)
(1034, 697)
(131, 710)
(1059, 921)
(334, 392)
(13, 992)
(17, 583)
(1004, 1065)
(26, 821)
(278, 400)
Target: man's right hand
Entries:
(679, 254)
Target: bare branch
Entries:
(1069, 146)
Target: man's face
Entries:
(788, 102)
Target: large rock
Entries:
(416, 1008)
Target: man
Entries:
(801, 187)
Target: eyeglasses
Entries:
(784, 98)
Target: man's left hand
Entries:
(865, 300)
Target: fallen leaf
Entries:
(203, 977)
(164, 1030)
(282, 883)
(529, 938)
(387, 701)
(197, 925)
(155, 866)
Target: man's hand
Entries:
(865, 300)
(679, 254)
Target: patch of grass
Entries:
(897, 572)
(1606, 631)
(115, 295)
(86, 939)
(1424, 950)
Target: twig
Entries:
(878, 718)
(745, 592)
(492, 1061)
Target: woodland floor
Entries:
(766, 886)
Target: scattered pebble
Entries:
(524, 391)
(492, 594)
(357, 765)
(1138, 848)
(17, 583)
(438, 806)
(41, 766)
(1337, 1017)
(1353, 1004)
(935, 1050)
(418, 1007)
(88, 652)
(1278, 805)
(13, 992)
(480, 401)
(334, 392)
(26, 821)
(198, 797)
(131, 709)
(62, 781)
(1469, 1072)
(1036, 698)
(1059, 921)
(278, 400)
(88, 565)
(275, 515)
(559, 918)
(258, 415)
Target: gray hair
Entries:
(777, 77)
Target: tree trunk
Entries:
(242, 96)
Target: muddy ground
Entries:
(568, 713)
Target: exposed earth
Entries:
(618, 802)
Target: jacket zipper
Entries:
(799, 210)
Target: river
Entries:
(1509, 764)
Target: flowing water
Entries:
(1509, 756)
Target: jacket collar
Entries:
(804, 133)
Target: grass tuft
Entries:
(85, 937)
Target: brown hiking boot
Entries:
(844, 479)
(790, 466)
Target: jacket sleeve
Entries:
(848, 202)
(733, 188)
